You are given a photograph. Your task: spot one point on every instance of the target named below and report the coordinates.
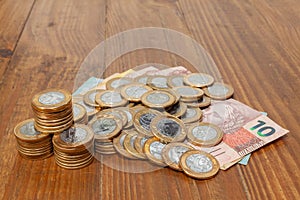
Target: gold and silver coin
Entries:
(198, 80)
(168, 128)
(53, 110)
(142, 120)
(158, 99)
(119, 146)
(105, 127)
(117, 82)
(178, 109)
(80, 115)
(89, 97)
(32, 144)
(90, 111)
(199, 164)
(73, 147)
(118, 113)
(175, 81)
(129, 116)
(133, 92)
(219, 91)
(129, 144)
(153, 150)
(110, 99)
(142, 79)
(204, 134)
(158, 82)
(172, 152)
(139, 144)
(192, 115)
(200, 103)
(188, 93)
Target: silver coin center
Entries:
(73, 135)
(198, 79)
(190, 113)
(177, 81)
(219, 90)
(146, 119)
(135, 91)
(169, 128)
(199, 163)
(104, 126)
(51, 98)
(28, 129)
(76, 111)
(204, 133)
(111, 97)
(92, 96)
(158, 98)
(119, 82)
(159, 82)
(176, 152)
(156, 149)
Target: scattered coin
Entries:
(133, 92)
(89, 97)
(168, 128)
(158, 82)
(129, 144)
(110, 99)
(153, 150)
(191, 115)
(219, 91)
(115, 83)
(175, 81)
(204, 134)
(119, 146)
(142, 120)
(120, 114)
(200, 103)
(158, 99)
(172, 152)
(80, 115)
(189, 94)
(198, 80)
(199, 164)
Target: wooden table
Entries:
(255, 45)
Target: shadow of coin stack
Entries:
(53, 114)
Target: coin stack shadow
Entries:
(73, 148)
(32, 144)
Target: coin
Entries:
(191, 115)
(142, 79)
(158, 82)
(204, 134)
(139, 144)
(89, 97)
(175, 81)
(200, 103)
(129, 116)
(25, 131)
(129, 144)
(199, 164)
(120, 114)
(172, 152)
(153, 149)
(219, 91)
(117, 82)
(178, 109)
(133, 92)
(158, 99)
(110, 99)
(142, 120)
(105, 127)
(168, 128)
(80, 115)
(189, 93)
(198, 80)
(51, 100)
(119, 146)
(90, 111)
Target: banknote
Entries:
(245, 130)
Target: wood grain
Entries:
(255, 45)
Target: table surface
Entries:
(255, 45)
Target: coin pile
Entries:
(32, 144)
(53, 111)
(73, 148)
(166, 120)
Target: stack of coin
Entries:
(80, 115)
(73, 148)
(105, 127)
(53, 110)
(32, 144)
